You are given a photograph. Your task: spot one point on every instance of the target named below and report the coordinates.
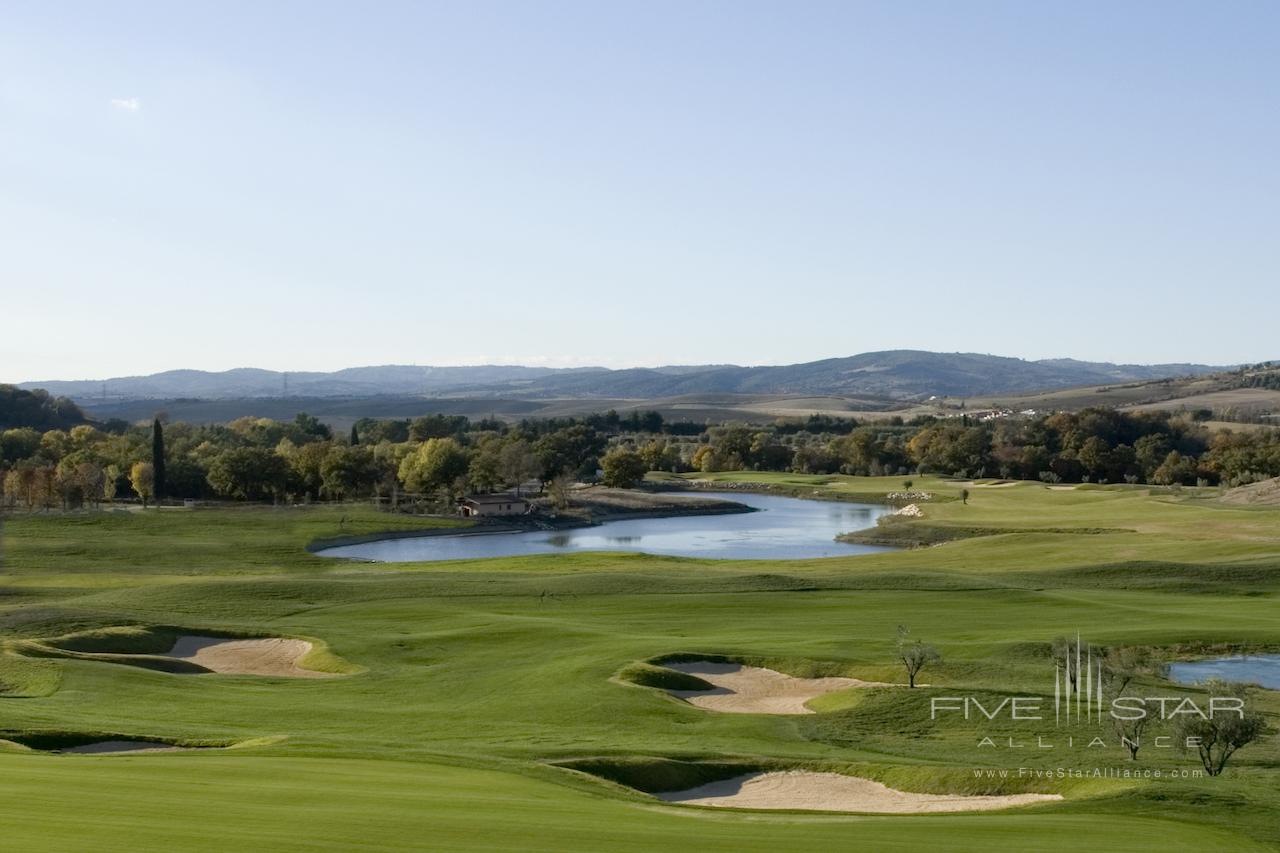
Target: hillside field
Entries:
(466, 699)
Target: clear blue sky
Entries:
(315, 185)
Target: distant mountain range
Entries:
(895, 374)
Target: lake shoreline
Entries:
(706, 525)
(785, 491)
(597, 516)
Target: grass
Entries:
(147, 646)
(483, 678)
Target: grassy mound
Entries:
(652, 775)
(897, 532)
(147, 646)
(655, 775)
(140, 646)
(798, 667)
(26, 678)
(659, 677)
(56, 741)
(1265, 493)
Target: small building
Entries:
(474, 506)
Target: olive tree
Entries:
(1130, 732)
(914, 654)
(1216, 737)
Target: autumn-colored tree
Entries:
(559, 490)
(142, 479)
(110, 479)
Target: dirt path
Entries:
(754, 690)
(275, 656)
(803, 789)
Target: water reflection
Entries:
(782, 529)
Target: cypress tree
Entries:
(157, 457)
(355, 436)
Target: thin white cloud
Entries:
(129, 105)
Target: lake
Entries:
(781, 529)
(1263, 670)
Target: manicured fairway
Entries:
(217, 804)
(478, 676)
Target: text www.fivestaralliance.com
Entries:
(1085, 773)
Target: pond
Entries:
(781, 529)
(1262, 670)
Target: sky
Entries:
(317, 185)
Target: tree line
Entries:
(437, 457)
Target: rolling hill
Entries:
(893, 375)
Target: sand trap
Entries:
(1061, 488)
(803, 789)
(275, 656)
(754, 690)
(107, 747)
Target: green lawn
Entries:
(480, 674)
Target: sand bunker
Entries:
(108, 747)
(754, 690)
(276, 656)
(803, 789)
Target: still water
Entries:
(781, 529)
(1263, 670)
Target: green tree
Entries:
(1095, 457)
(348, 472)
(1149, 452)
(517, 463)
(623, 468)
(157, 457)
(567, 449)
(304, 463)
(307, 427)
(249, 473)
(17, 444)
(484, 472)
(437, 463)
(1175, 468)
(437, 426)
(660, 456)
